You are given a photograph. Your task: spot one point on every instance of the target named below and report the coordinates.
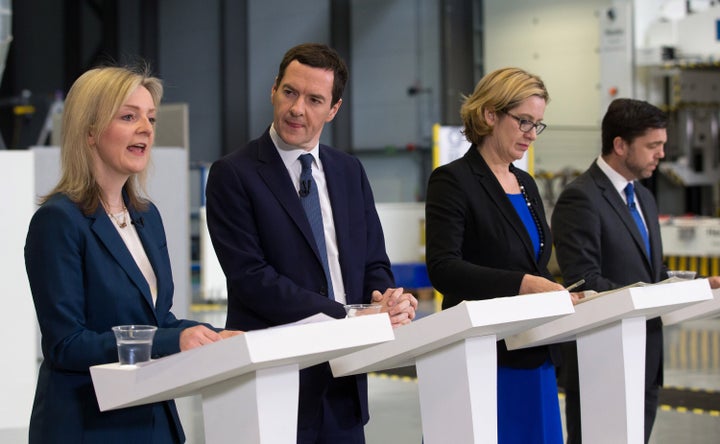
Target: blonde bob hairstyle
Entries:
(91, 104)
(499, 91)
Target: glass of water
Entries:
(353, 310)
(681, 274)
(134, 343)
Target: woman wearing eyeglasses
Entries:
(487, 237)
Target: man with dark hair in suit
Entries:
(606, 231)
(294, 225)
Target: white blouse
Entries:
(132, 241)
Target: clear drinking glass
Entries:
(134, 343)
(352, 310)
(681, 274)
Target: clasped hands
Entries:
(398, 305)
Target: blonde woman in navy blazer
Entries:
(83, 276)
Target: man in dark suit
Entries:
(287, 258)
(606, 231)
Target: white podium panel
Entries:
(610, 333)
(21, 346)
(454, 352)
(701, 310)
(248, 383)
(647, 301)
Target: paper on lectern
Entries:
(592, 294)
(318, 317)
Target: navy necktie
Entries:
(630, 194)
(310, 200)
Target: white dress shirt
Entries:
(619, 182)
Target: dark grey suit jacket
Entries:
(596, 239)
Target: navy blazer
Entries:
(477, 245)
(267, 251)
(84, 281)
(596, 239)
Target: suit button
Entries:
(323, 290)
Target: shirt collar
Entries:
(617, 179)
(290, 153)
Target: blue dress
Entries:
(528, 407)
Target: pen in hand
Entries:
(575, 285)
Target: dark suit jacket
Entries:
(596, 239)
(477, 245)
(266, 248)
(84, 281)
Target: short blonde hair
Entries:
(91, 104)
(499, 91)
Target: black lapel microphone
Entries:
(305, 187)
(138, 222)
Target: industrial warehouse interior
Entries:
(411, 64)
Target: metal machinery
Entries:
(676, 68)
(692, 100)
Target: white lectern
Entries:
(610, 333)
(248, 383)
(455, 357)
(702, 310)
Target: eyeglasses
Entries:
(527, 125)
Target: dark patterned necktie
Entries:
(310, 200)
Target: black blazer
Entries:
(596, 239)
(477, 245)
(267, 251)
